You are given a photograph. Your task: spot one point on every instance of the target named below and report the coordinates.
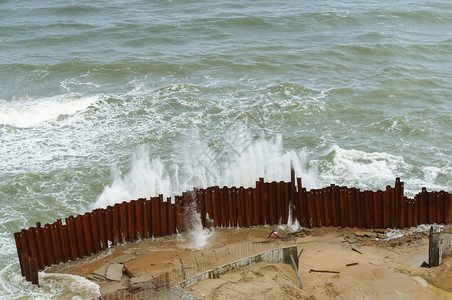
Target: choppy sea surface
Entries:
(105, 101)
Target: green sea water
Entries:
(105, 101)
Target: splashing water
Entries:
(197, 236)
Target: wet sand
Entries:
(381, 269)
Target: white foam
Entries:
(196, 236)
(147, 178)
(357, 168)
(68, 285)
(30, 112)
(240, 162)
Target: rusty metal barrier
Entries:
(268, 203)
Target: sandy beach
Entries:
(363, 264)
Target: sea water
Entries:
(106, 101)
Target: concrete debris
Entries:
(141, 252)
(141, 279)
(366, 234)
(108, 289)
(122, 259)
(101, 273)
(114, 272)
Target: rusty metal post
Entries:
(131, 218)
(170, 214)
(448, 208)
(257, 204)
(424, 206)
(94, 231)
(415, 211)
(26, 260)
(320, 208)
(56, 243)
(163, 216)
(224, 212)
(263, 193)
(139, 211)
(273, 203)
(302, 205)
(441, 207)
(432, 207)
(178, 214)
(80, 238)
(156, 216)
(116, 223)
(387, 207)
(61, 230)
(33, 270)
(72, 239)
(202, 202)
(147, 219)
(328, 203)
(312, 214)
(242, 208)
(42, 257)
(353, 207)
(87, 233)
(343, 205)
(369, 209)
(230, 208)
(48, 245)
(249, 197)
(296, 198)
(216, 203)
(17, 239)
(287, 202)
(103, 244)
(123, 222)
(208, 207)
(235, 206)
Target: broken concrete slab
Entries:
(102, 271)
(366, 234)
(114, 272)
(141, 252)
(141, 279)
(122, 259)
(108, 289)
